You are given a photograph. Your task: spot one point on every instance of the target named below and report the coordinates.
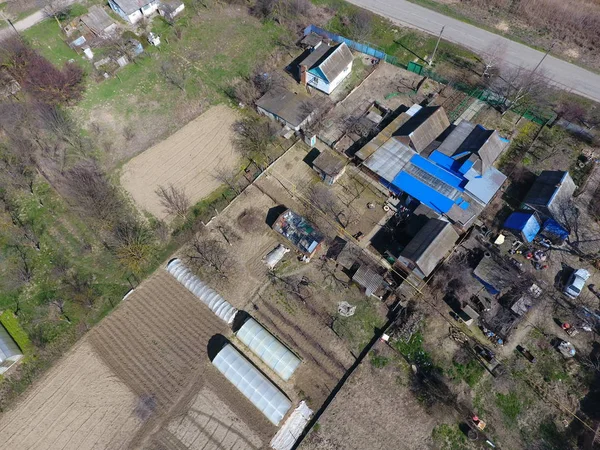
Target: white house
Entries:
(326, 67)
(134, 10)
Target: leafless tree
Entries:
(297, 286)
(355, 187)
(174, 73)
(254, 138)
(228, 178)
(265, 79)
(174, 200)
(280, 10)
(584, 234)
(360, 25)
(244, 91)
(492, 57)
(55, 9)
(90, 189)
(323, 199)
(521, 88)
(210, 256)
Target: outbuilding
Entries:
(330, 166)
(133, 11)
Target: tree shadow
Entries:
(274, 213)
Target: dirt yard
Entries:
(188, 159)
(374, 410)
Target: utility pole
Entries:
(543, 58)
(436, 45)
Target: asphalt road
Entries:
(563, 74)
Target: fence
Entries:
(485, 95)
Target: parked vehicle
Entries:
(576, 282)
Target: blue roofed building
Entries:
(450, 172)
(523, 224)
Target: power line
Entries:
(417, 289)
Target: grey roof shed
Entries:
(549, 191)
(97, 20)
(430, 245)
(423, 127)
(286, 105)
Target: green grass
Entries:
(510, 405)
(358, 329)
(379, 361)
(11, 323)
(414, 352)
(471, 372)
(403, 43)
(47, 37)
(449, 437)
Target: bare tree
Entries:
(228, 178)
(173, 200)
(360, 25)
(254, 138)
(89, 187)
(492, 57)
(521, 88)
(324, 200)
(174, 73)
(584, 233)
(210, 256)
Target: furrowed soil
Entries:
(189, 160)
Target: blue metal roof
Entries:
(422, 192)
(554, 229)
(437, 171)
(525, 223)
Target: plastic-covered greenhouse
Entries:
(264, 345)
(252, 383)
(217, 304)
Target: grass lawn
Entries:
(48, 39)
(358, 329)
(404, 43)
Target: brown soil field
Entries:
(302, 326)
(188, 159)
(374, 410)
(80, 404)
(134, 379)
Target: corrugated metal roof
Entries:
(546, 188)
(332, 61)
(389, 159)
(130, 6)
(430, 245)
(285, 104)
(97, 19)
(330, 163)
(525, 223)
(424, 127)
(368, 278)
(484, 187)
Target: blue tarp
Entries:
(437, 171)
(525, 223)
(425, 194)
(553, 230)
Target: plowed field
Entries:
(141, 379)
(188, 159)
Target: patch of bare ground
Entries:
(374, 410)
(189, 160)
(304, 325)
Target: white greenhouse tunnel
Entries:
(217, 304)
(268, 348)
(252, 383)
